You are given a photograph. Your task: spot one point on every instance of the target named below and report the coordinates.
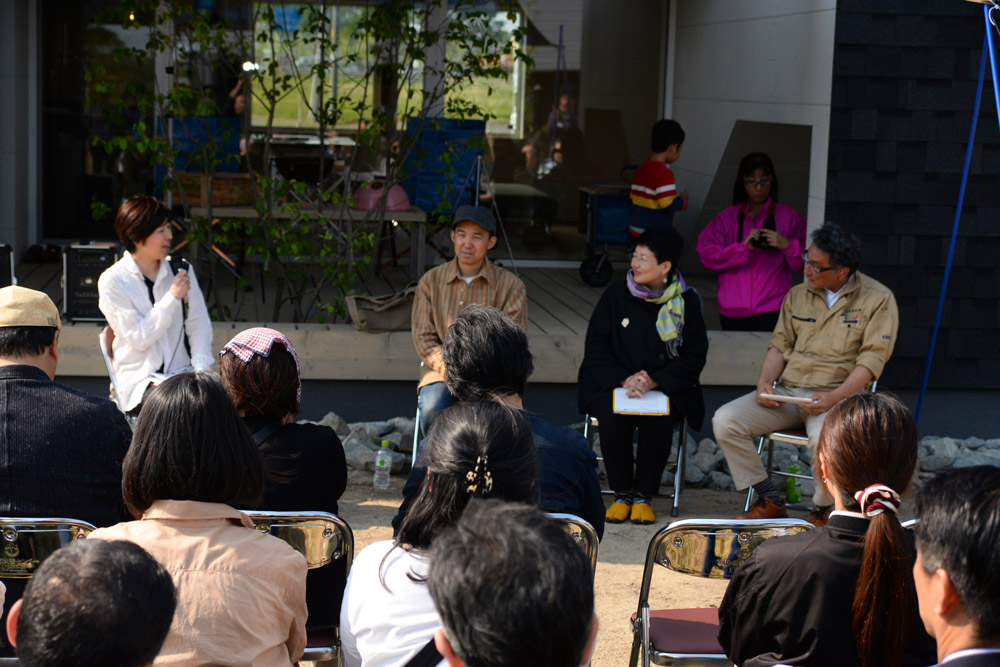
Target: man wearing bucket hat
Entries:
(446, 289)
(61, 449)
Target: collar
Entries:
(452, 273)
(853, 284)
(968, 652)
(128, 263)
(23, 372)
(767, 208)
(848, 521)
(193, 510)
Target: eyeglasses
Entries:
(644, 258)
(814, 267)
(750, 183)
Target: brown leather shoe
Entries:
(818, 516)
(765, 508)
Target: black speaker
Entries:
(6, 265)
(82, 266)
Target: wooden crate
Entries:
(227, 189)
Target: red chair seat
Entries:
(685, 631)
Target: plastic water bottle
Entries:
(383, 464)
(793, 489)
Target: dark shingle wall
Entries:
(904, 83)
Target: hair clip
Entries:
(475, 477)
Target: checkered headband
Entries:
(259, 340)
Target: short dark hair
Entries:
(486, 439)
(25, 341)
(190, 444)
(485, 355)
(138, 217)
(665, 243)
(959, 530)
(843, 247)
(748, 165)
(665, 134)
(512, 588)
(95, 602)
(264, 386)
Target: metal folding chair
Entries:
(707, 548)
(582, 532)
(323, 539)
(105, 339)
(589, 423)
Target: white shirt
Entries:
(148, 336)
(831, 297)
(386, 617)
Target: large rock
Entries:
(360, 452)
(935, 446)
(404, 426)
(720, 480)
(705, 461)
(992, 443)
(935, 462)
(337, 423)
(985, 457)
(692, 474)
(377, 429)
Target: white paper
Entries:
(787, 399)
(653, 402)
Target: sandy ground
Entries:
(620, 562)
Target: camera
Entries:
(761, 241)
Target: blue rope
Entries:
(987, 44)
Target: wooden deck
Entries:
(559, 308)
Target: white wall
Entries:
(18, 125)
(769, 61)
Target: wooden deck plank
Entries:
(569, 298)
(542, 297)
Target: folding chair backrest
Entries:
(711, 548)
(319, 536)
(584, 534)
(29, 541)
(105, 339)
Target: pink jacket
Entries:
(752, 281)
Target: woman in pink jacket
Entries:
(755, 245)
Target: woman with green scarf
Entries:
(646, 333)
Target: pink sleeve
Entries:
(718, 248)
(796, 236)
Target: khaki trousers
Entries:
(736, 424)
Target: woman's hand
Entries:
(638, 384)
(752, 237)
(774, 238)
(181, 285)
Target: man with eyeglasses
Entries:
(834, 335)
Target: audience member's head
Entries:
(842, 246)
(190, 444)
(474, 450)
(868, 453)
(512, 588)
(666, 133)
(957, 572)
(260, 370)
(748, 166)
(29, 328)
(532, 154)
(93, 602)
(485, 355)
(138, 217)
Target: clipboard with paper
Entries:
(653, 403)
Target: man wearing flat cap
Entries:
(446, 289)
(61, 449)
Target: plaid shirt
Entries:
(442, 293)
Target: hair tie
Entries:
(876, 499)
(479, 476)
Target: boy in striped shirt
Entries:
(654, 194)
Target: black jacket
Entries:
(790, 602)
(622, 340)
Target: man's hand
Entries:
(766, 402)
(638, 384)
(821, 402)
